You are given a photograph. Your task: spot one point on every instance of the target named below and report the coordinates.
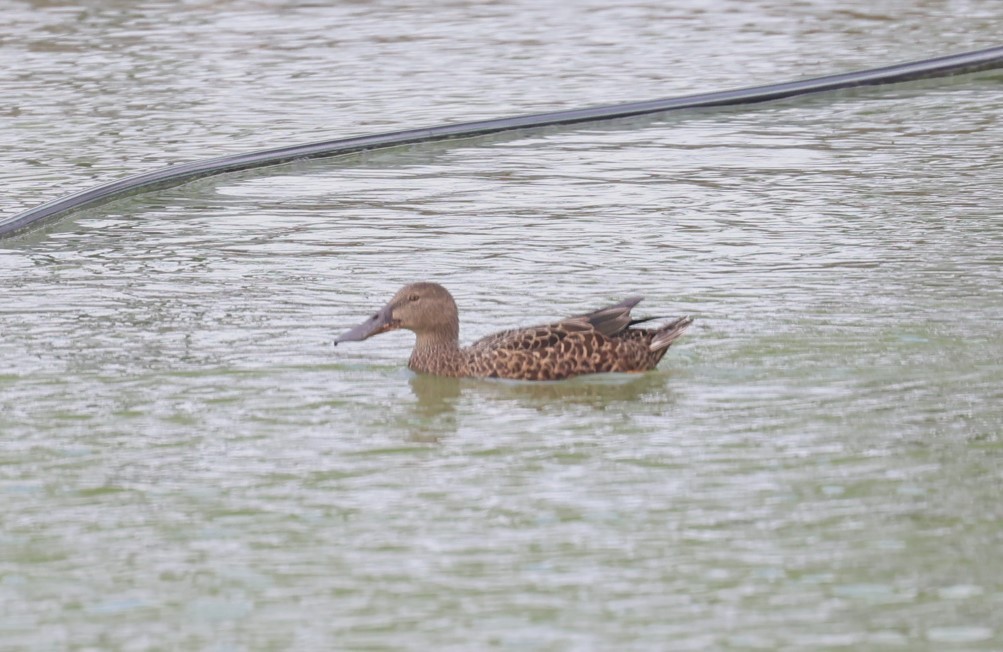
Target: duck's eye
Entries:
(413, 297)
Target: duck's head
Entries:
(427, 309)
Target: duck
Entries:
(603, 341)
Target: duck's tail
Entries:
(669, 333)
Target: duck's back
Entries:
(571, 347)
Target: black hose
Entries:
(175, 175)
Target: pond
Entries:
(186, 461)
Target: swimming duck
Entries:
(597, 342)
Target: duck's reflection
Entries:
(435, 408)
(435, 411)
(599, 390)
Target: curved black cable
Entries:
(175, 175)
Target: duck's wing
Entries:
(533, 338)
(607, 321)
(612, 319)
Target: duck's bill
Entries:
(381, 322)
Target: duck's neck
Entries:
(438, 354)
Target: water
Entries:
(187, 462)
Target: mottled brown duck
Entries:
(597, 342)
